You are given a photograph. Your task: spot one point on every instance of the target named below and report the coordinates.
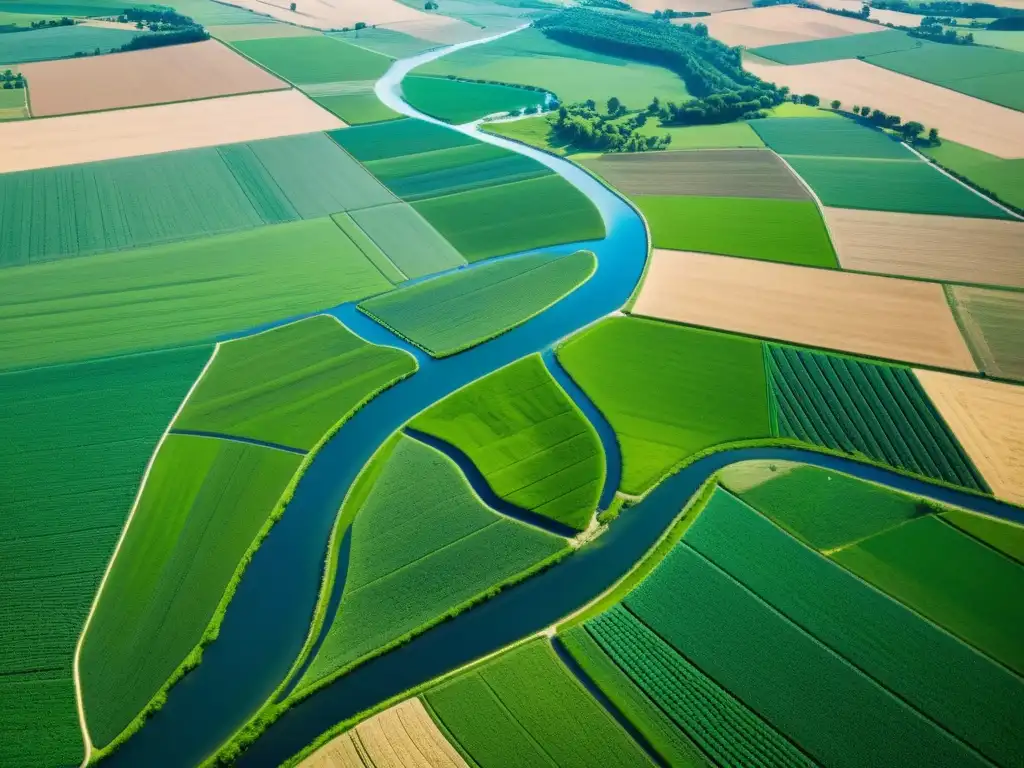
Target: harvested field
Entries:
(833, 48)
(712, 173)
(315, 59)
(864, 314)
(942, 248)
(404, 735)
(60, 42)
(154, 76)
(233, 33)
(883, 16)
(970, 121)
(76, 139)
(829, 138)
(988, 419)
(776, 25)
(993, 322)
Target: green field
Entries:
(528, 439)
(457, 102)
(357, 108)
(202, 506)
(524, 709)
(869, 409)
(173, 295)
(60, 42)
(68, 7)
(991, 322)
(534, 131)
(62, 519)
(828, 138)
(998, 534)
(307, 60)
(889, 185)
(1003, 178)
(397, 138)
(12, 103)
(368, 248)
(787, 231)
(409, 242)
(833, 48)
(457, 311)
(626, 365)
(950, 578)
(20, 22)
(423, 545)
(388, 42)
(1012, 41)
(725, 136)
(292, 384)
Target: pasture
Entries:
(386, 41)
(828, 138)
(457, 311)
(992, 322)
(864, 314)
(529, 440)
(1003, 178)
(234, 33)
(725, 136)
(413, 246)
(303, 60)
(533, 131)
(60, 42)
(776, 25)
(868, 43)
(787, 231)
(457, 101)
(626, 364)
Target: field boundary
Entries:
(941, 169)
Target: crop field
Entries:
(529, 440)
(174, 295)
(357, 108)
(203, 504)
(867, 43)
(930, 247)
(409, 242)
(234, 33)
(871, 409)
(292, 384)
(752, 173)
(509, 218)
(725, 136)
(154, 76)
(303, 60)
(1003, 178)
(992, 322)
(987, 418)
(407, 571)
(977, 600)
(959, 689)
(533, 131)
(624, 363)
(368, 248)
(74, 139)
(58, 42)
(398, 138)
(1006, 537)
(453, 312)
(828, 138)
(864, 314)
(387, 41)
(758, 27)
(782, 673)
(525, 709)
(12, 104)
(787, 231)
(113, 412)
(457, 102)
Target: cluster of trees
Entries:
(583, 126)
(910, 131)
(615, 5)
(668, 14)
(194, 34)
(63, 21)
(948, 8)
(1009, 23)
(155, 19)
(931, 30)
(12, 80)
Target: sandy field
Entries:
(401, 737)
(993, 322)
(779, 24)
(949, 248)
(709, 6)
(896, 18)
(863, 314)
(970, 121)
(233, 33)
(155, 76)
(987, 418)
(57, 141)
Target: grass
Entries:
(174, 295)
(725, 136)
(626, 365)
(534, 131)
(1003, 178)
(67, 7)
(998, 534)
(457, 102)
(61, 522)
(789, 109)
(61, 42)
(525, 709)
(785, 231)
(12, 103)
(308, 60)
(886, 185)
(509, 218)
(529, 440)
(457, 311)
(409, 242)
(868, 409)
(290, 385)
(358, 108)
(203, 504)
(369, 249)
(942, 678)
(950, 578)
(828, 138)
(397, 138)
(1012, 41)
(423, 547)
(834, 48)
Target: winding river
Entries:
(267, 621)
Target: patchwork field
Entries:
(455, 101)
(13, 104)
(314, 59)
(992, 322)
(413, 246)
(828, 138)
(357, 108)
(930, 247)
(854, 46)
(398, 139)
(59, 42)
(1003, 178)
(864, 314)
(385, 40)
(529, 440)
(457, 311)
(775, 25)
(711, 6)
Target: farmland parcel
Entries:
(58, 42)
(303, 60)
(456, 101)
(1002, 178)
(992, 322)
(413, 246)
(828, 138)
(847, 47)
(776, 25)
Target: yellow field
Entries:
(778, 24)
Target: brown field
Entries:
(54, 141)
(932, 247)
(155, 76)
(993, 322)
(987, 418)
(707, 172)
(779, 24)
(401, 737)
(710, 6)
(970, 121)
(864, 314)
(233, 33)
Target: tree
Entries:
(614, 105)
(360, 25)
(590, 104)
(933, 136)
(865, 111)
(654, 107)
(292, 7)
(856, 109)
(640, 120)
(810, 100)
(836, 104)
(910, 131)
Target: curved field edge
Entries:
(194, 658)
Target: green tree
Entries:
(911, 130)
(590, 104)
(292, 7)
(654, 107)
(810, 100)
(865, 111)
(614, 105)
(933, 136)
(836, 104)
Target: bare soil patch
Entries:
(778, 24)
(54, 141)
(993, 322)
(155, 76)
(970, 121)
(987, 418)
(948, 248)
(708, 173)
(863, 314)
